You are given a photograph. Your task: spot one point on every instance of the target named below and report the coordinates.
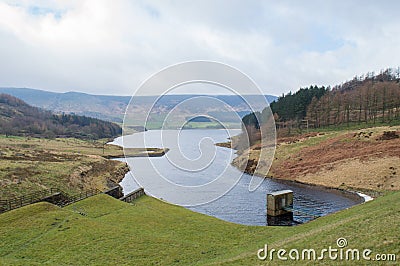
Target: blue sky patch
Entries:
(41, 11)
(321, 40)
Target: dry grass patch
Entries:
(72, 165)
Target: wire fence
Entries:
(52, 195)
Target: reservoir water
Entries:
(197, 163)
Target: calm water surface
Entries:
(238, 205)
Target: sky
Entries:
(111, 47)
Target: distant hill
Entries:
(112, 108)
(19, 118)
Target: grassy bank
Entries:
(31, 164)
(151, 232)
(72, 165)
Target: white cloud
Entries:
(110, 47)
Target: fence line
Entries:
(58, 197)
(53, 195)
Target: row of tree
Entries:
(368, 98)
(19, 118)
(293, 106)
(370, 102)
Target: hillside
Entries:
(370, 99)
(112, 108)
(20, 119)
(32, 164)
(151, 232)
(361, 159)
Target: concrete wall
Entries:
(115, 192)
(279, 203)
(133, 195)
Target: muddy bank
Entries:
(101, 174)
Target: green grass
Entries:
(22, 177)
(354, 126)
(158, 121)
(151, 232)
(85, 147)
(211, 125)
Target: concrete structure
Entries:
(133, 195)
(279, 203)
(115, 192)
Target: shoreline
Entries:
(357, 194)
(138, 152)
(135, 152)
